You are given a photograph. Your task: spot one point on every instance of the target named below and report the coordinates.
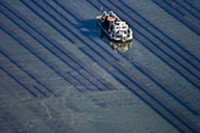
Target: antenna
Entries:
(101, 9)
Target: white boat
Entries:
(114, 27)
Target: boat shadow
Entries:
(89, 28)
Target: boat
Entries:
(114, 27)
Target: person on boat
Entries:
(111, 14)
(104, 19)
(103, 16)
